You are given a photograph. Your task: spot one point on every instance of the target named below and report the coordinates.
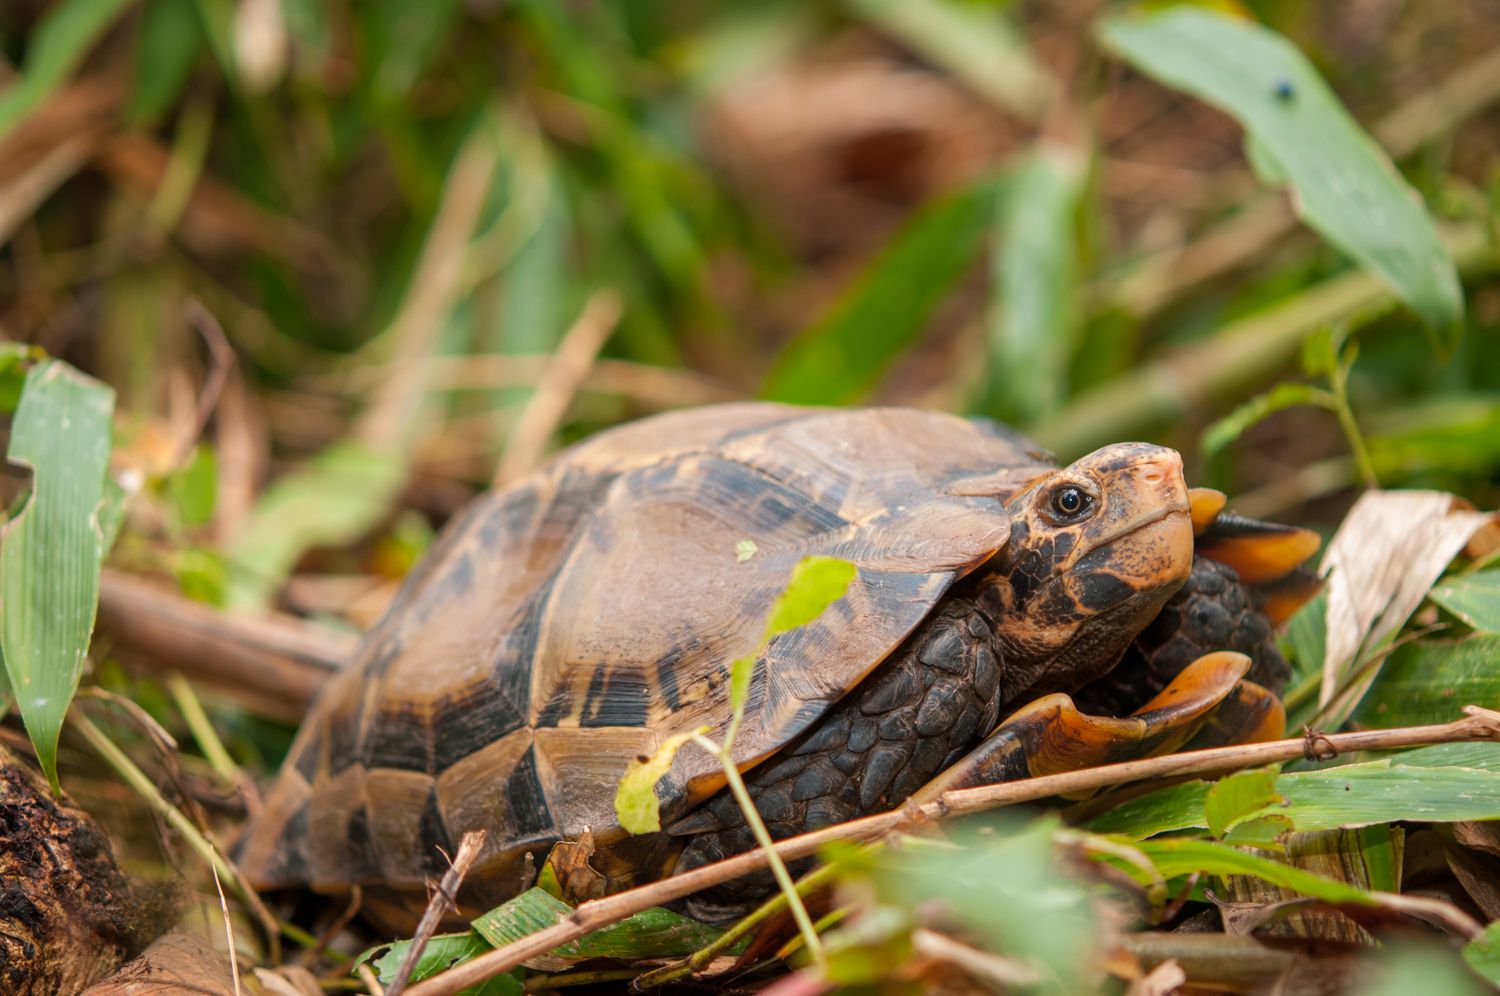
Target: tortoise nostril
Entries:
(1153, 477)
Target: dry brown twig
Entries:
(1478, 725)
(558, 385)
(443, 899)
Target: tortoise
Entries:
(572, 621)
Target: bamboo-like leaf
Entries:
(442, 952)
(1342, 183)
(1174, 856)
(1474, 598)
(1348, 796)
(1427, 682)
(51, 552)
(59, 43)
(652, 933)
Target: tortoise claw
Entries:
(1250, 714)
(1050, 735)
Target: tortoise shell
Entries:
(574, 620)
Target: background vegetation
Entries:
(345, 263)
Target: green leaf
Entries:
(336, 497)
(1351, 795)
(1307, 636)
(58, 44)
(52, 550)
(636, 803)
(652, 933)
(1238, 797)
(1034, 317)
(169, 42)
(1483, 954)
(1428, 682)
(1474, 598)
(1343, 185)
(1173, 857)
(1229, 428)
(1408, 969)
(442, 952)
(1260, 831)
(973, 41)
(840, 360)
(817, 582)
(193, 489)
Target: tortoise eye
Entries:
(1071, 503)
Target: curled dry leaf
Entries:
(1163, 980)
(1380, 565)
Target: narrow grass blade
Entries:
(1343, 185)
(57, 45)
(1034, 318)
(51, 552)
(841, 358)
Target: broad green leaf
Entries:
(636, 803)
(1351, 795)
(53, 50)
(1481, 755)
(51, 551)
(817, 582)
(442, 952)
(973, 41)
(1474, 598)
(1229, 428)
(1483, 954)
(1429, 681)
(1307, 636)
(840, 359)
(335, 498)
(1238, 797)
(169, 41)
(1342, 183)
(1034, 313)
(652, 933)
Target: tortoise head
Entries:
(1096, 549)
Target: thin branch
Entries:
(558, 386)
(221, 361)
(444, 898)
(1479, 725)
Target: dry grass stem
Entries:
(443, 899)
(558, 386)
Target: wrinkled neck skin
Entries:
(1057, 649)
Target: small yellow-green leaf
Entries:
(1239, 797)
(51, 552)
(744, 550)
(1264, 832)
(1229, 428)
(740, 673)
(817, 582)
(636, 803)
